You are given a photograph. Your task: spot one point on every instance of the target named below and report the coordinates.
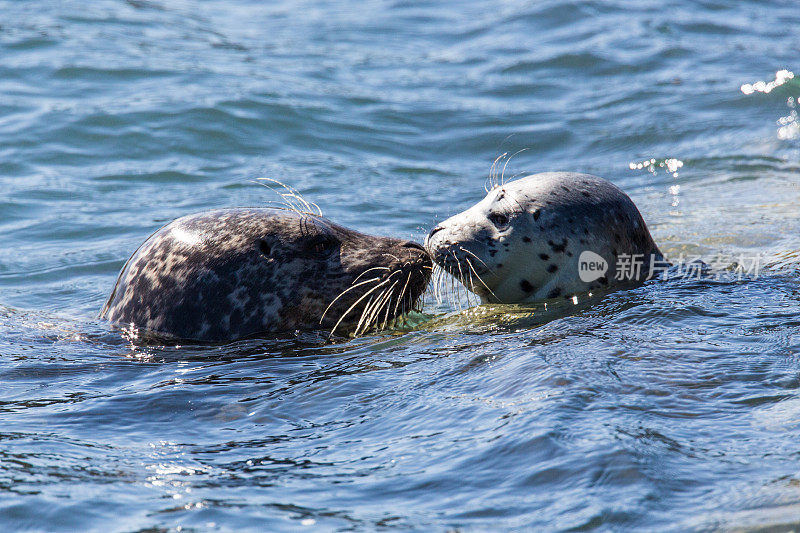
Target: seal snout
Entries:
(433, 240)
(416, 263)
(415, 259)
(415, 246)
(434, 231)
(384, 286)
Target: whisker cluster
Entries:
(291, 197)
(497, 172)
(451, 287)
(387, 301)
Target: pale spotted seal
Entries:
(548, 235)
(235, 273)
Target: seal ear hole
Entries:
(264, 248)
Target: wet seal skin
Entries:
(230, 274)
(548, 235)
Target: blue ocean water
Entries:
(673, 406)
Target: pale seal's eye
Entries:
(499, 219)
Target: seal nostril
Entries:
(435, 230)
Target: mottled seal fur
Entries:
(234, 273)
(535, 238)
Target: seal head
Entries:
(548, 235)
(234, 273)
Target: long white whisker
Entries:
(373, 307)
(358, 302)
(447, 283)
(442, 283)
(497, 169)
(370, 270)
(480, 279)
(370, 310)
(436, 282)
(364, 314)
(308, 206)
(460, 277)
(392, 256)
(401, 297)
(476, 257)
(343, 293)
(495, 180)
(490, 179)
(385, 303)
(283, 203)
(502, 175)
(285, 199)
(471, 283)
(444, 294)
(454, 302)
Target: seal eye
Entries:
(321, 246)
(499, 219)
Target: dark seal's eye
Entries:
(499, 219)
(321, 246)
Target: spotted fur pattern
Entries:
(234, 273)
(523, 241)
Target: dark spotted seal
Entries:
(547, 235)
(235, 273)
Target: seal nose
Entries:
(414, 245)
